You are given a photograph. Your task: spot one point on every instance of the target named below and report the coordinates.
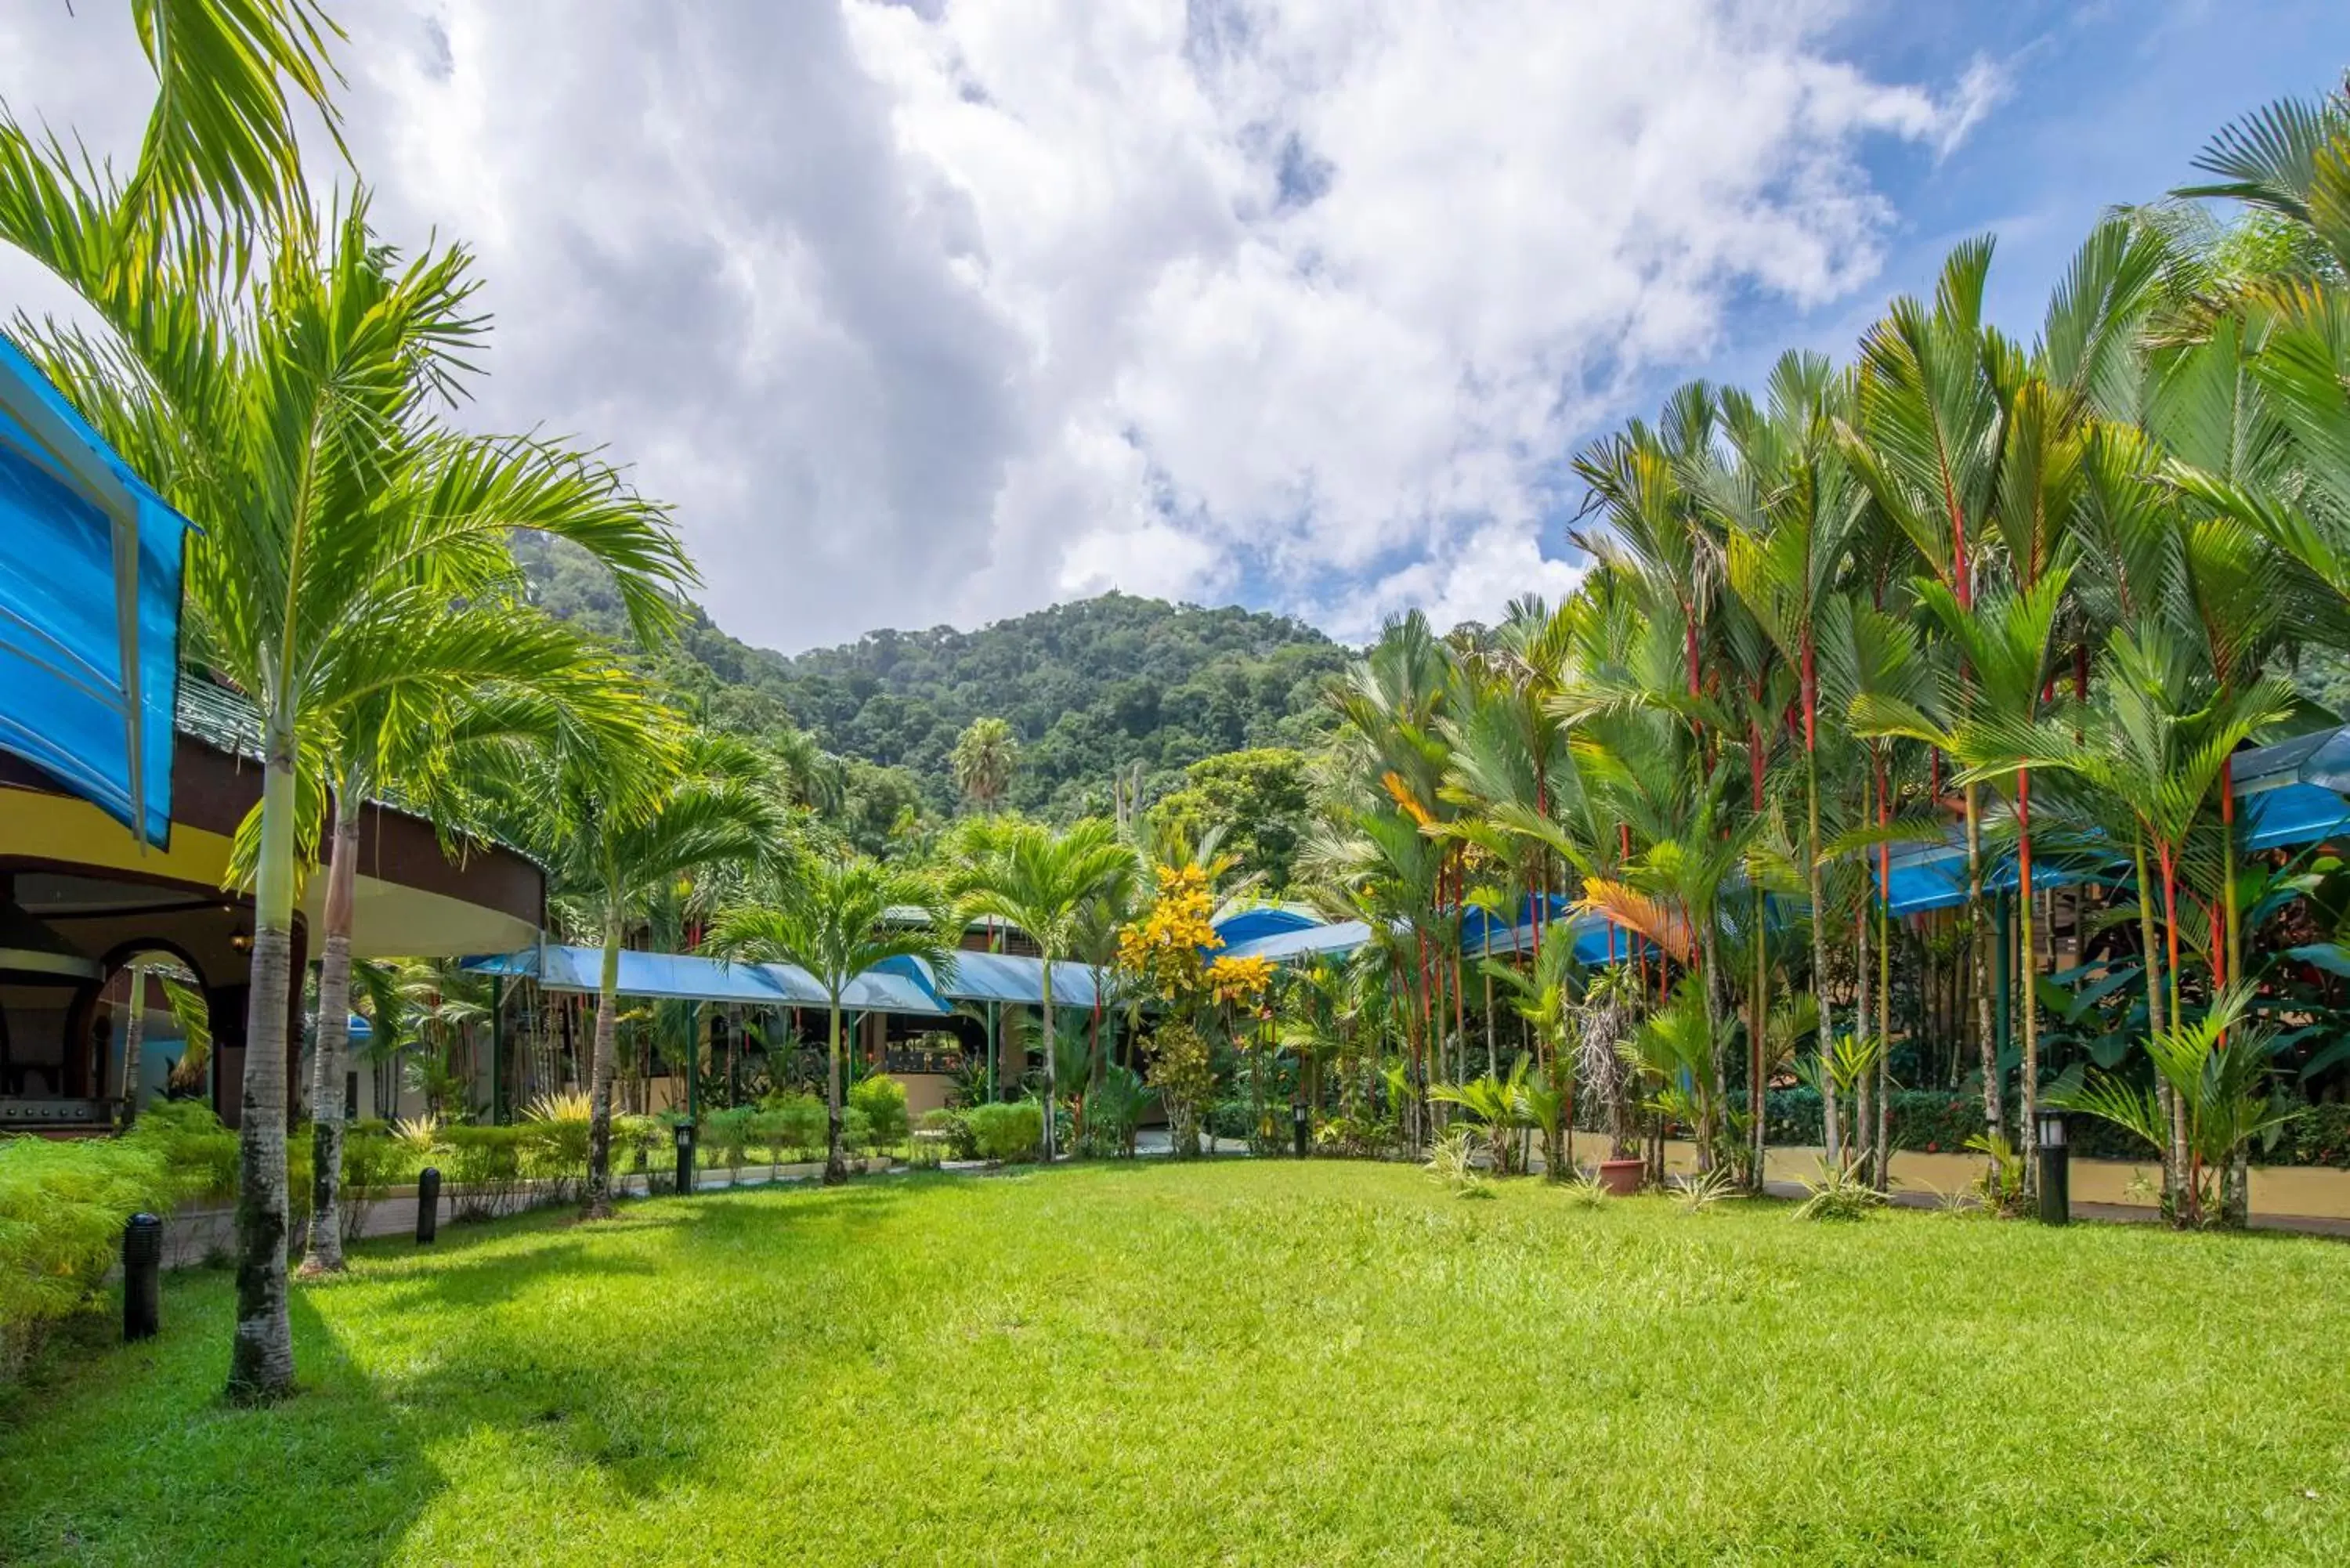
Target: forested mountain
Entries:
(1088, 687)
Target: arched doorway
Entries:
(151, 1028)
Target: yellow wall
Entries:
(2302, 1190)
(60, 828)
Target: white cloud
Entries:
(941, 313)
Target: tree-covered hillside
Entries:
(1089, 688)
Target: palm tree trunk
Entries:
(597, 1204)
(1492, 1059)
(2027, 1089)
(1759, 1011)
(1979, 940)
(1858, 1151)
(1880, 1133)
(261, 1354)
(1819, 913)
(2172, 1166)
(1051, 1073)
(2189, 1182)
(836, 1167)
(324, 1254)
(134, 1037)
(1712, 1135)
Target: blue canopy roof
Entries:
(1259, 920)
(1345, 935)
(2290, 793)
(1012, 978)
(684, 977)
(1480, 935)
(90, 608)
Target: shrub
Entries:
(726, 1139)
(1009, 1131)
(641, 1144)
(1114, 1108)
(372, 1162)
(62, 1208)
(955, 1129)
(1838, 1194)
(1453, 1164)
(856, 1132)
(485, 1169)
(882, 1099)
(1233, 1121)
(555, 1151)
(200, 1152)
(789, 1126)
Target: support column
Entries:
(498, 1049)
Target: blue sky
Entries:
(925, 311)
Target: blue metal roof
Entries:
(89, 606)
(686, 977)
(1345, 936)
(1012, 978)
(1260, 920)
(2290, 793)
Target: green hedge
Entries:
(1006, 1130)
(1939, 1121)
(882, 1101)
(62, 1205)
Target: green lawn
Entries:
(1274, 1363)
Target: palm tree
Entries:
(295, 428)
(622, 827)
(1792, 523)
(987, 754)
(1042, 881)
(2006, 645)
(491, 675)
(836, 918)
(2221, 1089)
(1928, 444)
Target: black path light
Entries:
(1298, 1118)
(2055, 1169)
(142, 1277)
(428, 1205)
(685, 1159)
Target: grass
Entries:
(1235, 1362)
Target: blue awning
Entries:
(686, 977)
(1262, 920)
(1345, 935)
(90, 608)
(1009, 978)
(2290, 793)
(1597, 938)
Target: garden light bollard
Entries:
(428, 1205)
(684, 1159)
(2056, 1169)
(1297, 1120)
(142, 1277)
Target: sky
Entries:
(939, 311)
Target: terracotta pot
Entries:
(1621, 1177)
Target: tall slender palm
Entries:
(1042, 881)
(297, 432)
(1926, 443)
(621, 827)
(492, 675)
(837, 918)
(2007, 646)
(987, 754)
